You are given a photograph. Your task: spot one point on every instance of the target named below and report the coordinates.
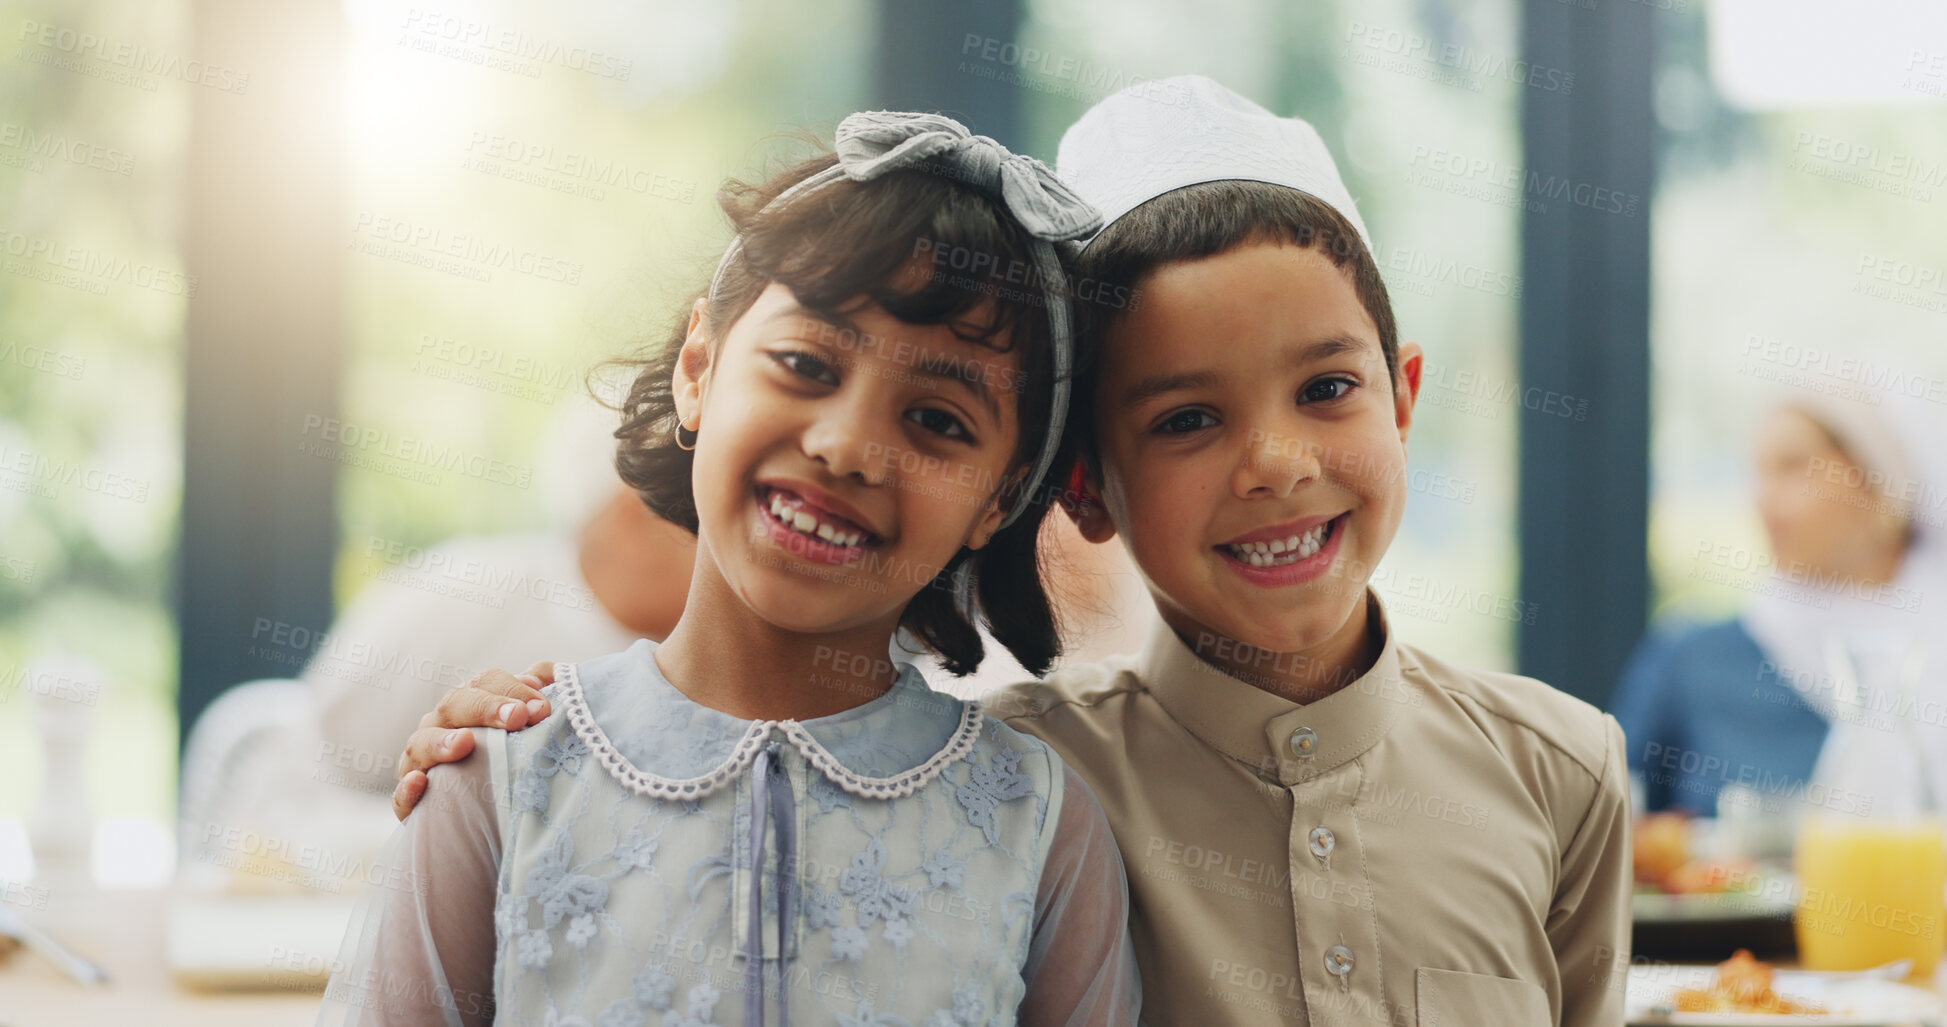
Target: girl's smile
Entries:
(809, 523)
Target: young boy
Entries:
(1321, 824)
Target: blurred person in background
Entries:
(311, 763)
(1850, 495)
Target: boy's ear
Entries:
(1082, 501)
(1406, 388)
(692, 368)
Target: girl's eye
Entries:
(939, 422)
(1327, 389)
(1185, 421)
(805, 365)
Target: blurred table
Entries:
(123, 931)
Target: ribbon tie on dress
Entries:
(771, 799)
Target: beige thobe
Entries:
(1428, 845)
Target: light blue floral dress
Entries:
(890, 863)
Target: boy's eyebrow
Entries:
(1160, 384)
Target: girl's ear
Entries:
(1406, 388)
(692, 368)
(1082, 501)
(992, 515)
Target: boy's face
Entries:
(1252, 447)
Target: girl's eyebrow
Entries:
(969, 373)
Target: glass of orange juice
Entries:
(1871, 890)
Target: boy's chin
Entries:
(1306, 623)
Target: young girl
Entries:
(763, 820)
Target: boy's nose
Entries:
(1273, 464)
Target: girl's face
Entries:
(1252, 447)
(838, 468)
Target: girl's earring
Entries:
(685, 437)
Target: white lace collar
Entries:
(631, 718)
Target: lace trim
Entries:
(655, 786)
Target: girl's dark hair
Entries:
(840, 247)
(1203, 221)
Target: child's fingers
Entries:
(405, 794)
(496, 698)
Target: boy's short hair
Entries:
(1216, 217)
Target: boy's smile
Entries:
(1252, 449)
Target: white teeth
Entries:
(1278, 552)
(806, 522)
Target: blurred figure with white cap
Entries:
(1853, 500)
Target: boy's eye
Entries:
(939, 422)
(1327, 389)
(805, 365)
(1186, 421)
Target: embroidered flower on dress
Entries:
(865, 1017)
(988, 787)
(967, 1004)
(531, 793)
(564, 753)
(877, 897)
(535, 950)
(702, 1011)
(560, 892)
(621, 1013)
(829, 795)
(821, 907)
(899, 932)
(653, 987)
(580, 930)
(943, 870)
(636, 850)
(848, 942)
(556, 1018)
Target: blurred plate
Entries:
(1662, 907)
(1850, 1001)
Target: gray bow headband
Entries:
(871, 143)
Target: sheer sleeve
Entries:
(420, 947)
(1081, 968)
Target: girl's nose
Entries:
(842, 439)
